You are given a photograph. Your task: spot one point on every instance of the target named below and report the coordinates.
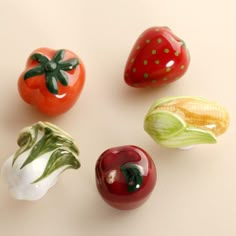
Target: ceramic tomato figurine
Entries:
(125, 176)
(52, 80)
(158, 57)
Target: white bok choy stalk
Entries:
(45, 151)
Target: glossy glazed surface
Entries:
(195, 192)
(48, 93)
(200, 113)
(114, 183)
(45, 151)
(183, 121)
(157, 57)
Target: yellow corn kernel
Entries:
(199, 113)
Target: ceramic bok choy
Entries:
(176, 122)
(45, 151)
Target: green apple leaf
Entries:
(133, 176)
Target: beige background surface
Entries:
(196, 190)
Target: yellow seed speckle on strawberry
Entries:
(158, 56)
(154, 52)
(176, 53)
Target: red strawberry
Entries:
(158, 57)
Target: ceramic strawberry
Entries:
(158, 57)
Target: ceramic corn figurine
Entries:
(185, 121)
(45, 151)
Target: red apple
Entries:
(125, 176)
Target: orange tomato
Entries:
(52, 80)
